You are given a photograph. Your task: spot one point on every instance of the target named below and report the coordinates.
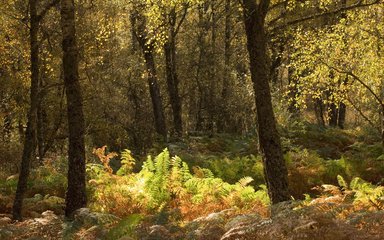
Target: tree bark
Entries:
(332, 115)
(30, 134)
(40, 127)
(223, 121)
(76, 195)
(171, 75)
(319, 112)
(341, 115)
(154, 89)
(275, 170)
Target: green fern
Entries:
(342, 183)
(243, 182)
(125, 227)
(127, 163)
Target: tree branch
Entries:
(358, 4)
(355, 77)
(363, 115)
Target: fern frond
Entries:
(243, 182)
(342, 183)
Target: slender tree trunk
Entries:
(30, 134)
(275, 170)
(341, 115)
(40, 128)
(172, 78)
(222, 121)
(201, 89)
(154, 90)
(139, 31)
(319, 112)
(211, 104)
(76, 195)
(332, 114)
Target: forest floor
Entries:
(318, 161)
(321, 221)
(47, 226)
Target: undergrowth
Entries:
(166, 182)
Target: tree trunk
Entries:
(222, 121)
(319, 112)
(341, 115)
(30, 134)
(154, 89)
(332, 115)
(76, 195)
(275, 170)
(40, 128)
(172, 78)
(211, 104)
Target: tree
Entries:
(30, 134)
(76, 195)
(173, 27)
(355, 68)
(275, 170)
(138, 24)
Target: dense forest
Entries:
(192, 119)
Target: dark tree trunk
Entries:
(342, 114)
(171, 75)
(154, 90)
(201, 64)
(76, 195)
(139, 26)
(319, 112)
(40, 127)
(275, 170)
(382, 123)
(222, 121)
(30, 134)
(211, 104)
(332, 115)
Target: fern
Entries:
(342, 183)
(125, 227)
(127, 163)
(243, 182)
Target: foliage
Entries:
(352, 73)
(166, 182)
(125, 227)
(47, 179)
(105, 158)
(359, 192)
(231, 169)
(127, 163)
